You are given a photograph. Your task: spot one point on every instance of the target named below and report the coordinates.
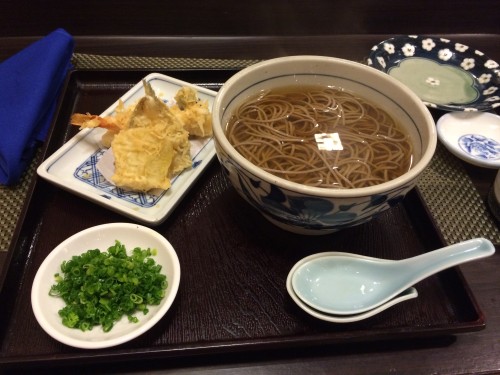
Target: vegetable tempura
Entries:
(150, 140)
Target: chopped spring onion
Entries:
(100, 287)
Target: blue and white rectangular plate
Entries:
(73, 166)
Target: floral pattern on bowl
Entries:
(444, 74)
(307, 214)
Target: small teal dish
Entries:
(445, 75)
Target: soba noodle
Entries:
(276, 131)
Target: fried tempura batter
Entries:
(145, 158)
(153, 147)
(150, 141)
(193, 113)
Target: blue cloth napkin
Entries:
(30, 83)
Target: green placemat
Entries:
(83, 61)
(451, 197)
(454, 202)
(11, 203)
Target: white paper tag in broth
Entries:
(328, 141)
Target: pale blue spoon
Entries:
(346, 284)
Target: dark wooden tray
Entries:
(232, 296)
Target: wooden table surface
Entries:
(255, 30)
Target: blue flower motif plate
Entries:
(445, 75)
(473, 137)
(74, 166)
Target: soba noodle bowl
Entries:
(322, 137)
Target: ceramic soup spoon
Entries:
(346, 284)
(406, 295)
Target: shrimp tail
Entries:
(93, 121)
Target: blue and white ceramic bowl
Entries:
(473, 137)
(309, 210)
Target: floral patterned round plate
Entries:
(444, 74)
(473, 137)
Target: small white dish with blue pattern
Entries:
(472, 137)
(74, 166)
(446, 75)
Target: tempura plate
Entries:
(73, 166)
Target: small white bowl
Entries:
(101, 237)
(472, 136)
